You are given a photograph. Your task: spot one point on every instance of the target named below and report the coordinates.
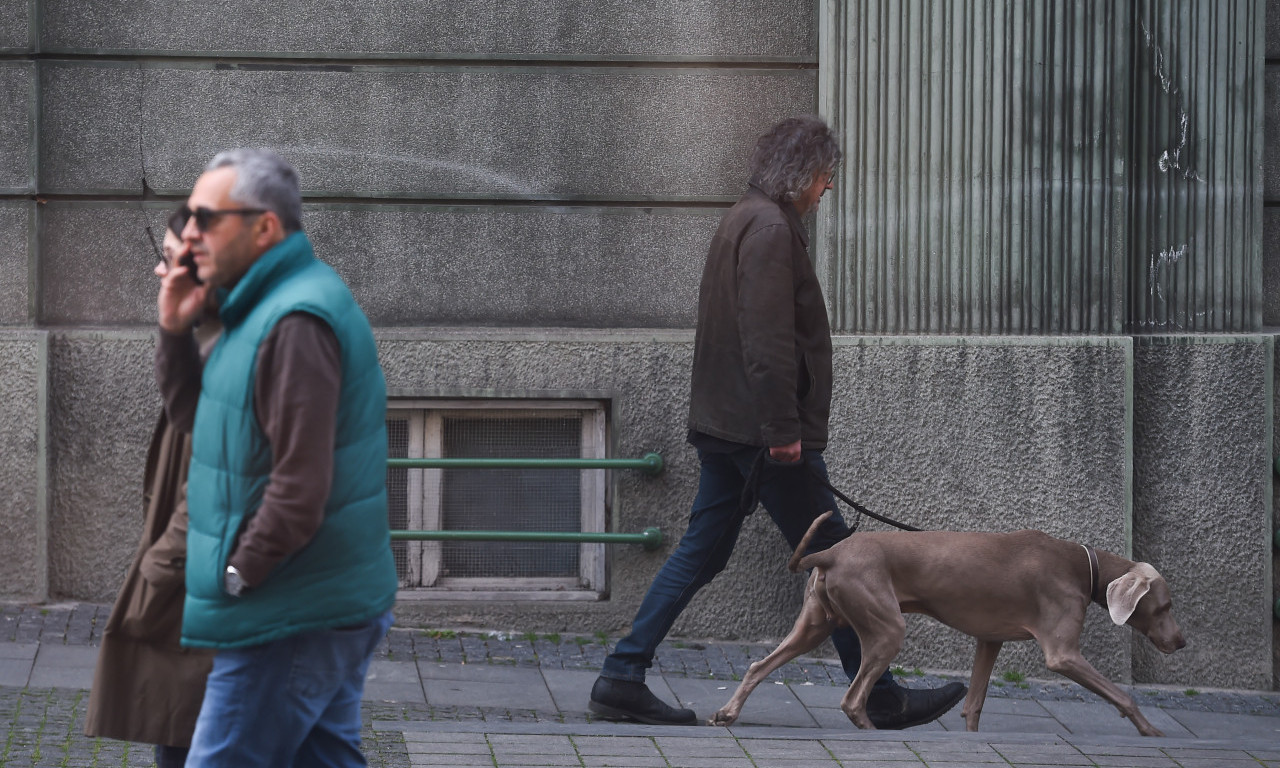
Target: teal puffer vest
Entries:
(345, 575)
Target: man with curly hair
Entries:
(761, 399)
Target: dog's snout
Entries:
(1170, 644)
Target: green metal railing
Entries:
(650, 463)
(649, 538)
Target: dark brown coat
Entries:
(762, 355)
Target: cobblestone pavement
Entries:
(42, 727)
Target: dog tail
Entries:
(793, 564)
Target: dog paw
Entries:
(722, 718)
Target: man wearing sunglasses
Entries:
(289, 568)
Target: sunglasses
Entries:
(206, 217)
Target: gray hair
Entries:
(263, 180)
(791, 154)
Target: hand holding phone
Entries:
(174, 247)
(182, 296)
(187, 259)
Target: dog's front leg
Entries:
(984, 660)
(1072, 664)
(812, 627)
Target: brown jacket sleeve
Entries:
(295, 397)
(766, 328)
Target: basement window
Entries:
(558, 500)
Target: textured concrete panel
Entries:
(1202, 502)
(15, 25)
(90, 121)
(103, 406)
(941, 433)
(632, 134)
(1275, 493)
(15, 261)
(415, 265)
(17, 135)
(552, 29)
(23, 509)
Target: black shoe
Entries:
(899, 707)
(626, 700)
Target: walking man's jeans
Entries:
(792, 498)
(291, 702)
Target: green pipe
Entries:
(649, 538)
(650, 463)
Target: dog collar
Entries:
(1093, 574)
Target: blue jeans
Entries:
(791, 497)
(170, 757)
(291, 702)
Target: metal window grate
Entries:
(398, 492)
(510, 499)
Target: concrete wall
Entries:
(1202, 500)
(16, 222)
(521, 196)
(1271, 243)
(24, 434)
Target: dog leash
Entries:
(855, 505)
(751, 494)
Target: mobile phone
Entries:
(188, 260)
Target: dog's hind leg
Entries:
(812, 627)
(984, 660)
(878, 621)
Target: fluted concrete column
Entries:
(1196, 260)
(1031, 168)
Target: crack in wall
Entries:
(142, 155)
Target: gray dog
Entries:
(992, 586)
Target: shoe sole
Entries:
(926, 720)
(607, 712)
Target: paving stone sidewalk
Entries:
(438, 698)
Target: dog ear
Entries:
(1124, 593)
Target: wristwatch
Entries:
(234, 583)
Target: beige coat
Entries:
(147, 688)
